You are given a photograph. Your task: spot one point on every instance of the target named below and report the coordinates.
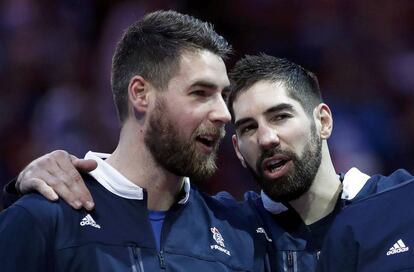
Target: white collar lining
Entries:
(118, 184)
(353, 182)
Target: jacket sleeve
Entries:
(23, 243)
(10, 194)
(340, 250)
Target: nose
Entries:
(220, 115)
(267, 136)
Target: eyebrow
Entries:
(241, 122)
(205, 84)
(277, 108)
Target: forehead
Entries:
(201, 66)
(260, 97)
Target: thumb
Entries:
(84, 165)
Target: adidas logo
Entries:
(398, 247)
(88, 220)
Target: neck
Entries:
(322, 196)
(133, 160)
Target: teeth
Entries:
(207, 138)
(274, 164)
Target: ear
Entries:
(324, 121)
(138, 90)
(237, 150)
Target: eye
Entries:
(246, 129)
(281, 117)
(199, 93)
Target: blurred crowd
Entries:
(55, 74)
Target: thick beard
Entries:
(176, 154)
(299, 179)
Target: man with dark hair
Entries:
(281, 132)
(152, 48)
(256, 74)
(168, 75)
(282, 127)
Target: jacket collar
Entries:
(353, 182)
(118, 184)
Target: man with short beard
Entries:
(282, 127)
(168, 76)
(292, 185)
(176, 154)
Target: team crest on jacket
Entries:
(262, 230)
(219, 240)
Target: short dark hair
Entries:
(302, 85)
(152, 46)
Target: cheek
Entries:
(249, 150)
(298, 139)
(187, 123)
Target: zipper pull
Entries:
(162, 260)
(290, 258)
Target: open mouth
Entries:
(273, 165)
(276, 166)
(207, 140)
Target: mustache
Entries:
(277, 150)
(217, 133)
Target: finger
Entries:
(84, 165)
(75, 184)
(28, 179)
(55, 178)
(67, 195)
(44, 189)
(44, 174)
(83, 195)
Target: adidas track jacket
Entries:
(364, 230)
(376, 231)
(204, 234)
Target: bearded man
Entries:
(282, 129)
(168, 76)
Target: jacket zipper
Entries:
(162, 260)
(267, 263)
(290, 261)
(136, 259)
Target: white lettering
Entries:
(219, 248)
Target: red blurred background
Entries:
(55, 70)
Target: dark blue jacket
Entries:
(376, 231)
(297, 248)
(205, 234)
